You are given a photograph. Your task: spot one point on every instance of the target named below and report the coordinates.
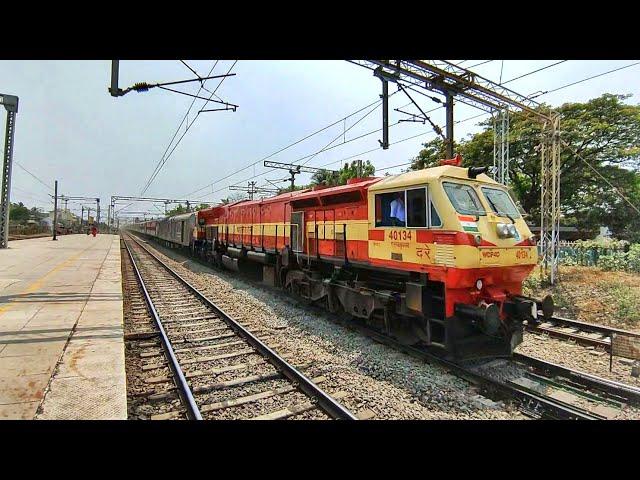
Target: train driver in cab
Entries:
(397, 210)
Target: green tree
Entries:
(18, 213)
(604, 131)
(348, 171)
(429, 156)
(177, 210)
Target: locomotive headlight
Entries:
(479, 284)
(506, 230)
(503, 230)
(478, 239)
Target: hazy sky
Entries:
(69, 128)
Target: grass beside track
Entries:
(593, 295)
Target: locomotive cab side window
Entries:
(390, 209)
(406, 208)
(417, 207)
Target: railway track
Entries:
(537, 398)
(580, 332)
(547, 391)
(206, 365)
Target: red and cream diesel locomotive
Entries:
(435, 256)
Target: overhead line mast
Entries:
(10, 103)
(294, 169)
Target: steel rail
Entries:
(593, 327)
(618, 389)
(194, 411)
(326, 402)
(579, 336)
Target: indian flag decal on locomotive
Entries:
(469, 224)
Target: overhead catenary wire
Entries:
(329, 147)
(34, 176)
(166, 157)
(283, 148)
(337, 137)
(192, 70)
(585, 79)
(466, 119)
(179, 126)
(532, 72)
(297, 160)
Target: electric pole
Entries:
(55, 210)
(449, 126)
(10, 103)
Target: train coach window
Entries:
(464, 198)
(417, 207)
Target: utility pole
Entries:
(10, 103)
(385, 77)
(97, 213)
(55, 210)
(385, 114)
(449, 126)
(81, 217)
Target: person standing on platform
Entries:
(94, 230)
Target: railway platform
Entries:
(61, 329)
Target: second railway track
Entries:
(220, 369)
(580, 332)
